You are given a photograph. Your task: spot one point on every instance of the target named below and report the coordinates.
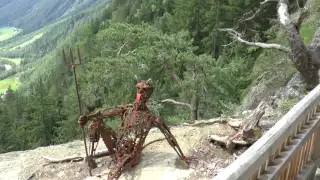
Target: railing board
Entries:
(308, 172)
(292, 148)
(247, 163)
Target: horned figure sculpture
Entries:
(136, 121)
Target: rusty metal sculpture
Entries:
(136, 121)
(125, 146)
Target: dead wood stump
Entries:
(248, 129)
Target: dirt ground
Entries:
(159, 161)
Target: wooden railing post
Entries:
(317, 147)
(316, 150)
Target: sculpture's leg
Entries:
(172, 141)
(109, 137)
(95, 129)
(116, 172)
(124, 162)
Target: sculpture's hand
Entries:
(82, 120)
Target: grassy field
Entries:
(4, 84)
(8, 32)
(17, 61)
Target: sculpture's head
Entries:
(144, 91)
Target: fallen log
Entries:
(249, 130)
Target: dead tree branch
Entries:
(237, 36)
(300, 16)
(266, 1)
(306, 59)
(120, 49)
(207, 122)
(75, 158)
(98, 154)
(262, 4)
(177, 103)
(229, 44)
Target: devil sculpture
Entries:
(136, 121)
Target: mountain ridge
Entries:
(32, 15)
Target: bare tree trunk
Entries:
(194, 106)
(299, 53)
(306, 59)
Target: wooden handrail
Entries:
(272, 143)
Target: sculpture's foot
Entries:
(189, 160)
(121, 164)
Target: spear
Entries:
(73, 65)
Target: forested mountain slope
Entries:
(178, 44)
(31, 47)
(31, 15)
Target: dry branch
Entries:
(206, 122)
(224, 139)
(32, 175)
(237, 36)
(176, 102)
(266, 1)
(300, 16)
(120, 49)
(83, 157)
(262, 4)
(75, 158)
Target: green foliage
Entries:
(7, 33)
(273, 68)
(173, 42)
(307, 32)
(4, 84)
(177, 119)
(287, 104)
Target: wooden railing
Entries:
(289, 150)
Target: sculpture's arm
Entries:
(118, 111)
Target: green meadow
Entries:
(17, 61)
(4, 84)
(7, 33)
